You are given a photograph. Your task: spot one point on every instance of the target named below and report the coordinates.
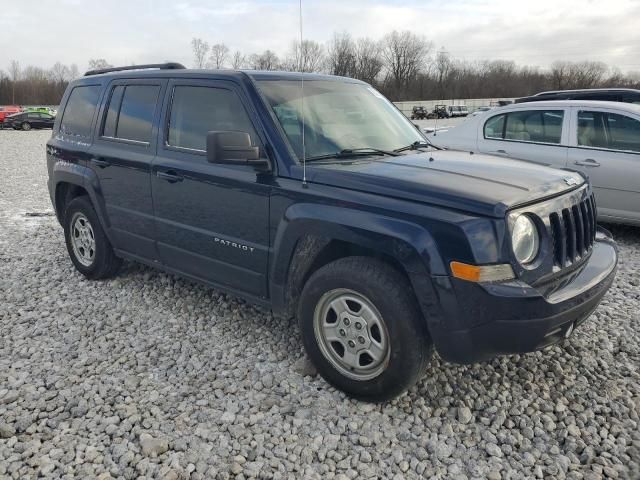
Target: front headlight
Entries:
(525, 239)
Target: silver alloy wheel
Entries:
(26, 126)
(82, 239)
(351, 334)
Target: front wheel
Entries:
(362, 328)
(26, 126)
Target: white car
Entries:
(481, 110)
(600, 139)
(457, 110)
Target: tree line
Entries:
(402, 65)
(406, 66)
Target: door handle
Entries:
(589, 162)
(501, 152)
(100, 163)
(170, 176)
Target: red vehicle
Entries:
(8, 110)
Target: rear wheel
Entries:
(87, 244)
(26, 126)
(362, 328)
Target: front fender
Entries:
(409, 244)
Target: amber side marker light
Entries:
(482, 273)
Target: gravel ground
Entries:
(151, 376)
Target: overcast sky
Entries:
(534, 32)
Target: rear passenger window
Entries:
(130, 112)
(198, 110)
(78, 113)
(608, 130)
(624, 132)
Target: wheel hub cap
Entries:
(351, 334)
(82, 239)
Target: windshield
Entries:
(338, 116)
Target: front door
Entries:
(606, 147)
(212, 220)
(121, 156)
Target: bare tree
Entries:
(73, 71)
(341, 55)
(200, 52)
(266, 60)
(59, 73)
(405, 55)
(96, 63)
(238, 60)
(14, 74)
(577, 75)
(368, 60)
(219, 55)
(307, 56)
(442, 66)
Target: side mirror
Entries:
(231, 147)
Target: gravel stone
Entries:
(153, 447)
(6, 430)
(150, 375)
(464, 415)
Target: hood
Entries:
(481, 184)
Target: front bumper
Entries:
(482, 321)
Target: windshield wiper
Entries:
(416, 145)
(354, 152)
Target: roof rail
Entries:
(161, 66)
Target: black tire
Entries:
(105, 263)
(26, 126)
(392, 296)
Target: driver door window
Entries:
(197, 110)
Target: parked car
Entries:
(419, 113)
(439, 111)
(8, 110)
(627, 95)
(480, 110)
(381, 245)
(457, 110)
(600, 139)
(29, 120)
(47, 110)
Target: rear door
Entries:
(605, 145)
(121, 156)
(537, 135)
(212, 220)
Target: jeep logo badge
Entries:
(570, 181)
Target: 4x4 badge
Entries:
(570, 181)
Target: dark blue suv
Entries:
(315, 197)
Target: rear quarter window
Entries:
(79, 111)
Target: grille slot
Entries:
(574, 231)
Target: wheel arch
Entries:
(314, 235)
(73, 180)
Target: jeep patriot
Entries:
(313, 196)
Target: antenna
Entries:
(304, 153)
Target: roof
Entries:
(207, 73)
(587, 90)
(630, 107)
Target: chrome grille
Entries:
(573, 231)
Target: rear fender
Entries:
(75, 174)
